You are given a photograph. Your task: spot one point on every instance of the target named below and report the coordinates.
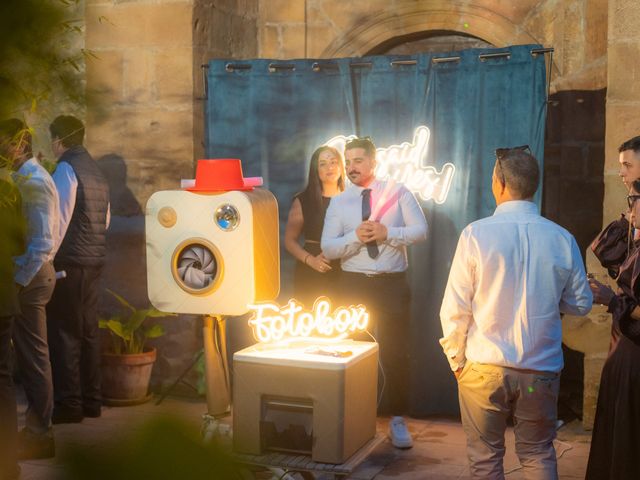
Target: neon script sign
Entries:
(272, 323)
(406, 163)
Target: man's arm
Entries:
(39, 198)
(577, 298)
(67, 185)
(336, 243)
(415, 225)
(456, 314)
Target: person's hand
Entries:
(371, 231)
(602, 294)
(363, 231)
(378, 231)
(319, 263)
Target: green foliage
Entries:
(128, 330)
(39, 54)
(163, 449)
(201, 370)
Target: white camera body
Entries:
(212, 253)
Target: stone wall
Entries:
(623, 96)
(577, 29)
(591, 335)
(145, 125)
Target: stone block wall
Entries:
(577, 29)
(145, 126)
(141, 83)
(623, 96)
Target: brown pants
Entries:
(488, 396)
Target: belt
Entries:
(377, 275)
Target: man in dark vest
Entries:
(72, 313)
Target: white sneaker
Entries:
(399, 433)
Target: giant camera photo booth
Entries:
(212, 249)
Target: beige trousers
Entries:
(488, 396)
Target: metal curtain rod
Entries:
(204, 68)
(274, 67)
(319, 66)
(361, 65)
(231, 67)
(445, 59)
(397, 63)
(485, 56)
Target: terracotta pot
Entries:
(125, 378)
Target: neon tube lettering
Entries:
(272, 323)
(406, 163)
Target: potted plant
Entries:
(127, 362)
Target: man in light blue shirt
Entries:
(512, 275)
(35, 276)
(369, 227)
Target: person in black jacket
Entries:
(616, 429)
(72, 313)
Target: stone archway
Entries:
(471, 20)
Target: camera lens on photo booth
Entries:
(227, 217)
(197, 266)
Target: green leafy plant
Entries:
(129, 333)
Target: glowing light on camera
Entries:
(406, 163)
(272, 323)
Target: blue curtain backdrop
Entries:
(273, 114)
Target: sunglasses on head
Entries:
(503, 152)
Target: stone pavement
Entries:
(438, 452)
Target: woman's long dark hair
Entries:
(313, 191)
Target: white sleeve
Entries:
(577, 298)
(415, 225)
(335, 243)
(456, 313)
(67, 185)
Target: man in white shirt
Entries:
(512, 275)
(35, 276)
(369, 227)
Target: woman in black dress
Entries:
(616, 433)
(314, 274)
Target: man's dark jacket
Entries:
(84, 243)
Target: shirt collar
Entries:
(516, 206)
(373, 186)
(27, 166)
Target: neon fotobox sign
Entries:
(406, 164)
(272, 323)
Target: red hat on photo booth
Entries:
(221, 175)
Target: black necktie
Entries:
(372, 247)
